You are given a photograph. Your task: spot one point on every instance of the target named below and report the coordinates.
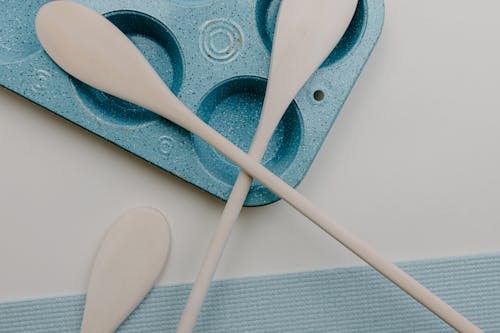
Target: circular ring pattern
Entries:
(221, 40)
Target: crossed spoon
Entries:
(90, 48)
(304, 37)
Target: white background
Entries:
(412, 166)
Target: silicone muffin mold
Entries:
(214, 55)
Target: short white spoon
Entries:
(130, 259)
(93, 50)
(306, 33)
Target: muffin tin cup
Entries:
(158, 44)
(214, 55)
(233, 109)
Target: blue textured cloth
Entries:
(339, 300)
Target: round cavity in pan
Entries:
(233, 108)
(267, 12)
(159, 46)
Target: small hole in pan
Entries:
(319, 95)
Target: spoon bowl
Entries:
(130, 259)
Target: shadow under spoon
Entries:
(93, 50)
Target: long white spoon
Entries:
(93, 50)
(130, 259)
(306, 33)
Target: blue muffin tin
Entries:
(214, 55)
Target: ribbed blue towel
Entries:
(340, 300)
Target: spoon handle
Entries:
(341, 234)
(306, 32)
(218, 242)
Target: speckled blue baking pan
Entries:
(214, 55)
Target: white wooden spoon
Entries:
(130, 259)
(93, 50)
(306, 33)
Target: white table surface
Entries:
(412, 166)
